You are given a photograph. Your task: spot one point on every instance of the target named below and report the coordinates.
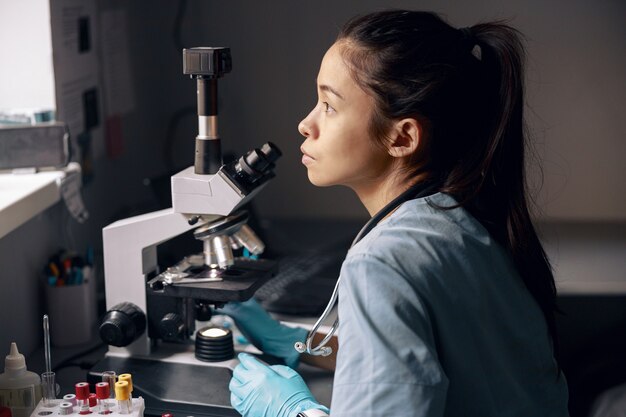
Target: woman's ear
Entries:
(405, 138)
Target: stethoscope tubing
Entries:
(416, 191)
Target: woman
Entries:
(446, 304)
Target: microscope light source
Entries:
(214, 332)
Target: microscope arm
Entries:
(130, 253)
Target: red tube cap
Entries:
(103, 390)
(82, 390)
(93, 399)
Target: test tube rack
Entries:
(61, 408)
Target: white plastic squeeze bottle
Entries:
(20, 389)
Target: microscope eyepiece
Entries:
(258, 162)
(254, 162)
(271, 152)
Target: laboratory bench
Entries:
(592, 340)
(25, 195)
(591, 322)
(178, 382)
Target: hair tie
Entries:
(470, 39)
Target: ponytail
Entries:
(500, 201)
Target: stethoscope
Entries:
(416, 191)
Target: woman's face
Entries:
(339, 149)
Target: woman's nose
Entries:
(305, 127)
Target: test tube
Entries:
(128, 378)
(48, 385)
(122, 395)
(82, 396)
(103, 391)
(109, 377)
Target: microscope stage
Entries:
(238, 283)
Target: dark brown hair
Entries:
(465, 87)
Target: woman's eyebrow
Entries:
(327, 88)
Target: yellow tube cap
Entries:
(122, 390)
(128, 378)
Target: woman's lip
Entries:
(306, 154)
(306, 159)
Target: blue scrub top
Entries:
(435, 321)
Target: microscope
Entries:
(152, 311)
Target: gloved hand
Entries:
(267, 334)
(258, 390)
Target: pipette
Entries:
(46, 342)
(48, 377)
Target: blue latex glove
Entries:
(267, 334)
(259, 390)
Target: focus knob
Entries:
(171, 327)
(203, 311)
(122, 325)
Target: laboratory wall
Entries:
(576, 95)
(575, 90)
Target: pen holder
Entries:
(72, 310)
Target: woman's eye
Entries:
(327, 108)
